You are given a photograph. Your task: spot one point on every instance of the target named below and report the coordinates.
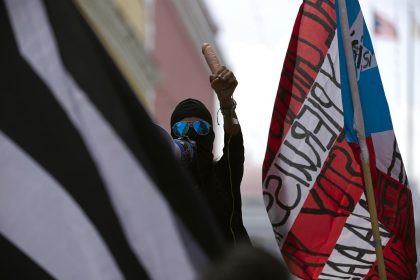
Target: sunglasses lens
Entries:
(180, 129)
(201, 127)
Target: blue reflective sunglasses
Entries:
(180, 129)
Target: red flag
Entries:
(312, 180)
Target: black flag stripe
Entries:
(41, 218)
(52, 140)
(133, 195)
(12, 261)
(87, 61)
(68, 111)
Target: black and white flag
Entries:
(88, 189)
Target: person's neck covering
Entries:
(203, 164)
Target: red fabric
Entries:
(339, 186)
(304, 57)
(331, 200)
(394, 208)
(395, 211)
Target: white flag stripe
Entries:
(384, 145)
(359, 220)
(33, 204)
(133, 195)
(325, 125)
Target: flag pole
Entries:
(360, 130)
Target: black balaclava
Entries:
(204, 160)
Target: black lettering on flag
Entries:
(279, 237)
(396, 161)
(401, 264)
(291, 82)
(301, 63)
(299, 155)
(274, 182)
(322, 18)
(316, 104)
(316, 125)
(332, 276)
(332, 181)
(295, 251)
(347, 269)
(333, 75)
(354, 253)
(321, 6)
(383, 232)
(365, 233)
(291, 174)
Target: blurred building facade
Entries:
(182, 26)
(157, 46)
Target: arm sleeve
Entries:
(231, 167)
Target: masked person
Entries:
(219, 181)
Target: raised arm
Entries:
(224, 84)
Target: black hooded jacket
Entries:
(218, 181)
